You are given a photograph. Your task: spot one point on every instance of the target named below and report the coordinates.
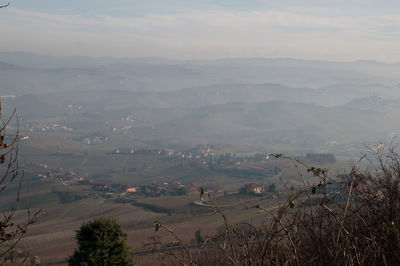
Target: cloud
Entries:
(205, 34)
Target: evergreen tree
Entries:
(101, 242)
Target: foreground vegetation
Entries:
(101, 242)
(11, 229)
(355, 221)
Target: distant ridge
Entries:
(18, 57)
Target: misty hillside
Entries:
(262, 103)
(24, 72)
(264, 124)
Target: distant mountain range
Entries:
(24, 73)
(311, 105)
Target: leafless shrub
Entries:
(351, 221)
(11, 231)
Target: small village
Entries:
(202, 156)
(164, 189)
(49, 128)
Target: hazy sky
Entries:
(185, 29)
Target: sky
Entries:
(335, 30)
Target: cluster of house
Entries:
(174, 188)
(124, 130)
(257, 189)
(59, 174)
(124, 126)
(202, 156)
(94, 139)
(161, 189)
(49, 128)
(129, 118)
(252, 188)
(112, 188)
(151, 190)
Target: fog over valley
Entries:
(313, 106)
(181, 132)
